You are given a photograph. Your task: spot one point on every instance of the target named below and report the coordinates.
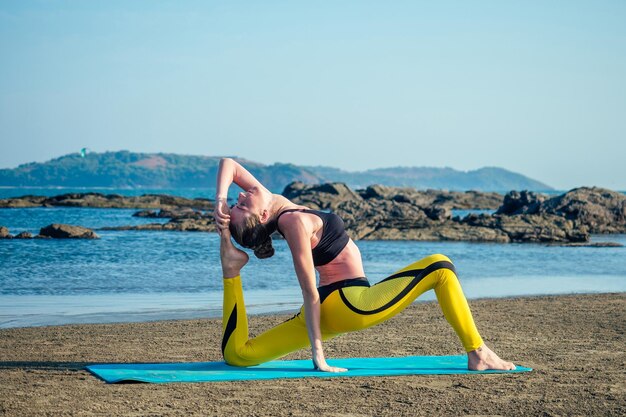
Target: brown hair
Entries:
(254, 235)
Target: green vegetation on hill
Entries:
(125, 169)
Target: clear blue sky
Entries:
(537, 87)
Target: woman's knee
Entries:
(232, 358)
(427, 262)
(431, 259)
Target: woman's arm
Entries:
(230, 171)
(298, 237)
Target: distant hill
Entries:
(483, 179)
(125, 169)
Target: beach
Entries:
(575, 343)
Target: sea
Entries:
(130, 276)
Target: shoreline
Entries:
(151, 314)
(575, 343)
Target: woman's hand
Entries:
(221, 214)
(319, 363)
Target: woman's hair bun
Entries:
(252, 234)
(265, 249)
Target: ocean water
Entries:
(143, 275)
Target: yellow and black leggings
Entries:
(348, 306)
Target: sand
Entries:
(575, 343)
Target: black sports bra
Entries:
(334, 236)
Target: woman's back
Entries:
(336, 257)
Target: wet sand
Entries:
(575, 343)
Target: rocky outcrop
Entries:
(66, 231)
(530, 228)
(179, 213)
(386, 213)
(57, 231)
(179, 225)
(327, 196)
(182, 220)
(434, 198)
(438, 231)
(321, 197)
(151, 214)
(4, 233)
(590, 209)
(597, 209)
(524, 202)
(97, 200)
(23, 202)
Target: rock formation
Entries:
(98, 200)
(387, 213)
(66, 231)
(403, 214)
(4, 233)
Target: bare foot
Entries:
(484, 358)
(233, 259)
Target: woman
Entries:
(344, 301)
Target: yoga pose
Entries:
(344, 301)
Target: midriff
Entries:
(346, 265)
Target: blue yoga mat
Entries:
(219, 371)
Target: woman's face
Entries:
(249, 203)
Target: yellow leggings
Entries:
(348, 309)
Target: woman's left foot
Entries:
(484, 358)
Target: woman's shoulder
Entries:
(290, 212)
(293, 216)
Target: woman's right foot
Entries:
(484, 358)
(233, 258)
